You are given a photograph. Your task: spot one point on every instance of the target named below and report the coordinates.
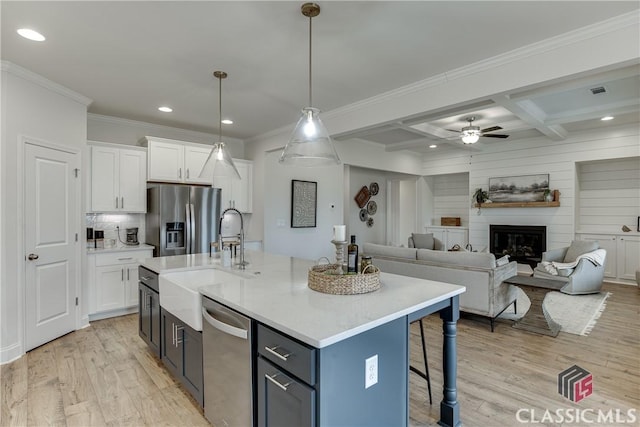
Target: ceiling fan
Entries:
(470, 134)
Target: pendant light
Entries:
(310, 143)
(219, 163)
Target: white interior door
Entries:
(50, 211)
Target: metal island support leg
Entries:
(449, 407)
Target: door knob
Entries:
(33, 257)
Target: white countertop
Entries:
(181, 263)
(273, 290)
(119, 248)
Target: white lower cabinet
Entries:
(623, 254)
(450, 236)
(113, 282)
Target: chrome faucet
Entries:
(242, 262)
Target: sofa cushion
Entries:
(422, 241)
(579, 247)
(471, 259)
(373, 249)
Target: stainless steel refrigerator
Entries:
(181, 219)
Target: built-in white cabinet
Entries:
(118, 179)
(450, 236)
(176, 161)
(623, 254)
(237, 193)
(113, 282)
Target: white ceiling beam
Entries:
(595, 112)
(529, 113)
(578, 83)
(423, 142)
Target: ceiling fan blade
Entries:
(491, 129)
(453, 130)
(495, 135)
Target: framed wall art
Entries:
(303, 203)
(516, 189)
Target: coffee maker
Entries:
(132, 236)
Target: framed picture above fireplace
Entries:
(518, 189)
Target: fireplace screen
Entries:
(523, 243)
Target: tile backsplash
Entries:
(109, 222)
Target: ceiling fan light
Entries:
(310, 144)
(470, 136)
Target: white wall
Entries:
(36, 108)
(535, 156)
(608, 195)
(450, 198)
(270, 205)
(360, 177)
(310, 243)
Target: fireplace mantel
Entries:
(552, 204)
(519, 205)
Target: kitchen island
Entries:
(341, 335)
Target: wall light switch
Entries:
(371, 371)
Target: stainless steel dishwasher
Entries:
(227, 364)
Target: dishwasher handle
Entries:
(224, 327)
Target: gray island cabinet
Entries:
(317, 359)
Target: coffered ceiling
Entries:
(130, 57)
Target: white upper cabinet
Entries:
(237, 193)
(176, 161)
(118, 179)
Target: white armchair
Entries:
(584, 278)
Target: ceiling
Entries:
(132, 57)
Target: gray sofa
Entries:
(486, 293)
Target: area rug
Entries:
(577, 314)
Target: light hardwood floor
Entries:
(104, 375)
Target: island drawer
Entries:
(287, 353)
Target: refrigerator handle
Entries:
(193, 230)
(188, 225)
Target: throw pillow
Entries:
(579, 247)
(422, 241)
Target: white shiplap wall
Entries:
(534, 156)
(608, 195)
(451, 197)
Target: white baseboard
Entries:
(11, 353)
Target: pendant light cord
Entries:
(220, 109)
(310, 99)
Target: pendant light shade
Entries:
(219, 163)
(310, 143)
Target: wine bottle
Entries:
(352, 256)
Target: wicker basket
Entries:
(323, 279)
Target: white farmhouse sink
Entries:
(179, 292)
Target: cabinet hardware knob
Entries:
(33, 257)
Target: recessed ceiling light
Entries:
(605, 118)
(30, 34)
(165, 109)
(433, 146)
(227, 122)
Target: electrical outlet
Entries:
(371, 371)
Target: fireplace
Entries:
(523, 243)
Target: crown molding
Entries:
(32, 77)
(566, 39)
